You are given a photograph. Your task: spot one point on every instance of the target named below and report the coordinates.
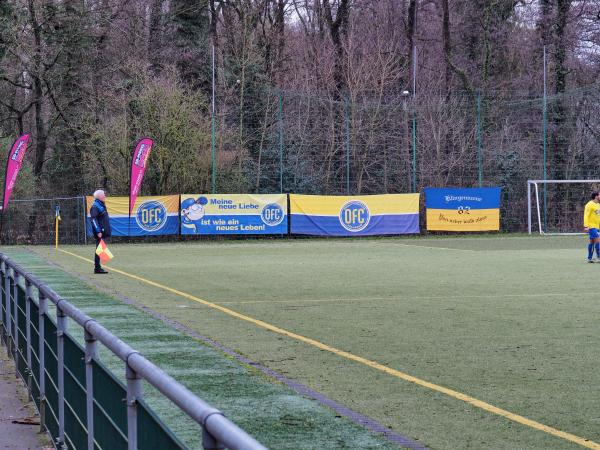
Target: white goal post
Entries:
(533, 185)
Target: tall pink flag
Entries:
(13, 165)
(138, 167)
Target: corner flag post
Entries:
(56, 220)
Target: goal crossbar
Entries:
(561, 181)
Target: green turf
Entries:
(274, 414)
(512, 321)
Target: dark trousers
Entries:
(96, 257)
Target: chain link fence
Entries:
(271, 141)
(379, 142)
(32, 221)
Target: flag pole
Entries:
(56, 233)
(56, 220)
(1, 223)
(5, 181)
(140, 156)
(129, 197)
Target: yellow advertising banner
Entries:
(151, 216)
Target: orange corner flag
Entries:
(103, 252)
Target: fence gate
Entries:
(31, 221)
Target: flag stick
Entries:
(56, 233)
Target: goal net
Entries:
(555, 207)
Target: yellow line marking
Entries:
(365, 299)
(359, 359)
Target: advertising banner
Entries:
(152, 216)
(466, 209)
(354, 215)
(13, 165)
(234, 214)
(138, 168)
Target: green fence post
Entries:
(212, 126)
(479, 141)
(347, 142)
(545, 169)
(414, 149)
(545, 141)
(213, 157)
(281, 142)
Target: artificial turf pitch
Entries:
(510, 321)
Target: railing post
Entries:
(208, 440)
(43, 309)
(134, 392)
(28, 300)
(8, 309)
(15, 305)
(5, 315)
(91, 353)
(61, 328)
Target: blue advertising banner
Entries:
(234, 214)
(151, 216)
(463, 209)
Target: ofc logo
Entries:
(272, 214)
(355, 216)
(151, 216)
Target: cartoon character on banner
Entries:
(192, 210)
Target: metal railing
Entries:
(45, 363)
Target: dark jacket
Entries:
(100, 219)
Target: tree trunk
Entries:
(560, 130)
(411, 30)
(155, 35)
(337, 31)
(40, 124)
(447, 45)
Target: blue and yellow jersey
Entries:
(591, 215)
